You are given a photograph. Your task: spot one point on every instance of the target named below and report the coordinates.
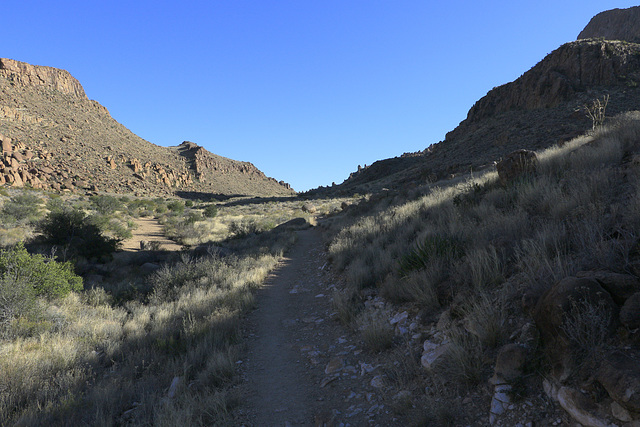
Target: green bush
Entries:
(71, 229)
(210, 211)
(176, 206)
(105, 204)
(46, 276)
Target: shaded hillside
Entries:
(59, 139)
(543, 107)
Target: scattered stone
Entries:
(499, 402)
(620, 413)
(6, 144)
(398, 318)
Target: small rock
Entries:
(335, 365)
(377, 382)
(326, 380)
(400, 317)
(620, 413)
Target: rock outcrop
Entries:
(615, 24)
(25, 74)
(572, 68)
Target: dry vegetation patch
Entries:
(464, 253)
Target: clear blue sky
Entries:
(304, 89)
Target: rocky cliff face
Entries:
(24, 74)
(570, 69)
(615, 24)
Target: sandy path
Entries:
(148, 229)
(277, 392)
(302, 368)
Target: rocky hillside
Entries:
(546, 105)
(615, 24)
(54, 137)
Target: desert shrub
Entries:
(23, 207)
(463, 362)
(188, 203)
(243, 228)
(176, 206)
(376, 330)
(111, 226)
(210, 211)
(105, 204)
(17, 298)
(48, 277)
(72, 230)
(432, 248)
(587, 327)
(193, 217)
(347, 305)
(143, 207)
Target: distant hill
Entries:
(55, 138)
(542, 107)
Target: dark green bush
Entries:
(72, 230)
(210, 211)
(176, 206)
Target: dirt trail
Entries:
(150, 230)
(301, 367)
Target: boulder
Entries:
(516, 164)
(630, 312)
(308, 207)
(509, 363)
(619, 286)
(6, 144)
(572, 303)
(619, 374)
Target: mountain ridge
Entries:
(56, 138)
